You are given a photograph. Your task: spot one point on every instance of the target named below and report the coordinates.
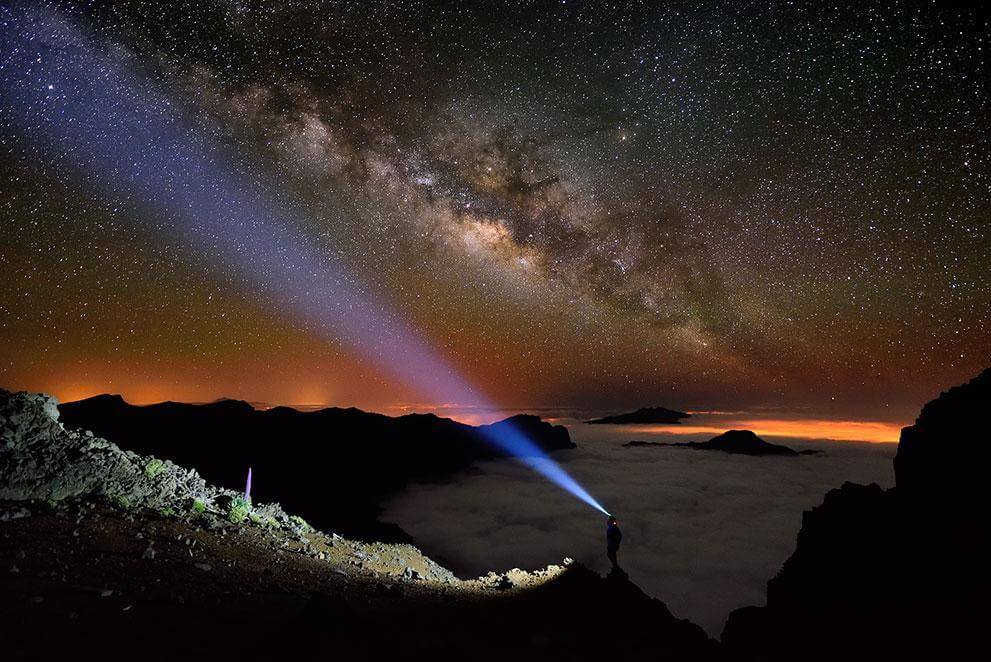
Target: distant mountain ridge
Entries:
(644, 415)
(334, 466)
(736, 442)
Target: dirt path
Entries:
(92, 580)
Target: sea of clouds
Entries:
(703, 530)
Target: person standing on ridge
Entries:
(613, 538)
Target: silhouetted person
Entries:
(613, 538)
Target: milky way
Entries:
(701, 204)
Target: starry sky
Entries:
(708, 205)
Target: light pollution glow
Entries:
(872, 431)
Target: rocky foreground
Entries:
(112, 554)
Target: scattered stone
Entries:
(148, 554)
(504, 583)
(205, 567)
(20, 513)
(106, 593)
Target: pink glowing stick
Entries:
(247, 487)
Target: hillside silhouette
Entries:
(734, 442)
(645, 415)
(333, 466)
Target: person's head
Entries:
(612, 519)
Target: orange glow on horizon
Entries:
(75, 392)
(143, 395)
(881, 432)
(310, 396)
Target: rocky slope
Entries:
(109, 554)
(345, 457)
(891, 574)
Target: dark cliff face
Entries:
(333, 466)
(946, 454)
(548, 437)
(882, 574)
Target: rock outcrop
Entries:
(737, 442)
(945, 457)
(348, 458)
(741, 442)
(645, 415)
(891, 574)
(40, 460)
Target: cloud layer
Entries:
(703, 531)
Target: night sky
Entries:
(703, 205)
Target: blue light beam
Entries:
(81, 107)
